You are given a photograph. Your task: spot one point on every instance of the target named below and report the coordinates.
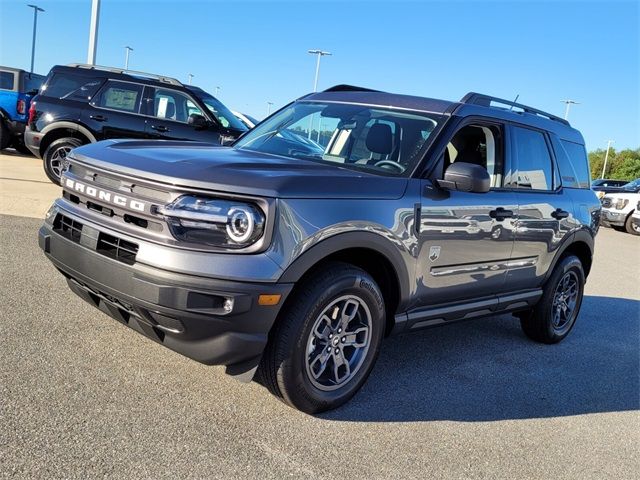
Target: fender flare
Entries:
(345, 241)
(583, 235)
(68, 125)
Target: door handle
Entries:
(559, 214)
(160, 128)
(98, 118)
(500, 214)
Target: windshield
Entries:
(633, 185)
(222, 113)
(355, 136)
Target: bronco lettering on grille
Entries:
(104, 195)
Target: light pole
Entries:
(568, 103)
(36, 9)
(126, 58)
(606, 157)
(190, 78)
(93, 32)
(319, 54)
(218, 90)
(269, 104)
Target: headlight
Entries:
(620, 203)
(215, 222)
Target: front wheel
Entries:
(55, 156)
(327, 340)
(551, 320)
(631, 227)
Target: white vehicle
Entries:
(620, 211)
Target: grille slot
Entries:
(68, 228)
(117, 248)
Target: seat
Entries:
(379, 142)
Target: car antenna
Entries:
(514, 101)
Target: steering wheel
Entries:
(390, 163)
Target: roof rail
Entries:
(349, 88)
(473, 98)
(133, 73)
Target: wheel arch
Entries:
(371, 252)
(581, 245)
(55, 131)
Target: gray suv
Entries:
(347, 216)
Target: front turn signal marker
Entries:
(269, 299)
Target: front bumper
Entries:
(610, 217)
(182, 312)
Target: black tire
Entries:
(628, 226)
(21, 147)
(286, 366)
(5, 138)
(54, 155)
(548, 321)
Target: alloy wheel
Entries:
(565, 299)
(338, 343)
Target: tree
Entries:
(622, 165)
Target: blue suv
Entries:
(17, 87)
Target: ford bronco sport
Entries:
(80, 104)
(17, 87)
(294, 259)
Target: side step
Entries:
(447, 313)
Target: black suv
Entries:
(81, 104)
(346, 216)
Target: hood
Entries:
(225, 169)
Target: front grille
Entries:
(117, 248)
(68, 228)
(606, 202)
(107, 245)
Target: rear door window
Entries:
(121, 96)
(534, 169)
(7, 80)
(69, 86)
(32, 82)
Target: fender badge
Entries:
(434, 253)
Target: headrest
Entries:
(380, 139)
(171, 110)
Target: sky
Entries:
(256, 52)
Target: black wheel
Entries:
(630, 227)
(554, 316)
(326, 340)
(4, 136)
(55, 155)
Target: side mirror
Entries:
(197, 120)
(466, 177)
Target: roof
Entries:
(382, 99)
(470, 104)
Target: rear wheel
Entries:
(551, 320)
(4, 135)
(22, 148)
(327, 340)
(55, 156)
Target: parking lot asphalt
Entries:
(82, 396)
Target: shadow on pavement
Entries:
(488, 370)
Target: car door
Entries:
(545, 215)
(174, 115)
(114, 112)
(465, 239)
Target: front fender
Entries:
(399, 258)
